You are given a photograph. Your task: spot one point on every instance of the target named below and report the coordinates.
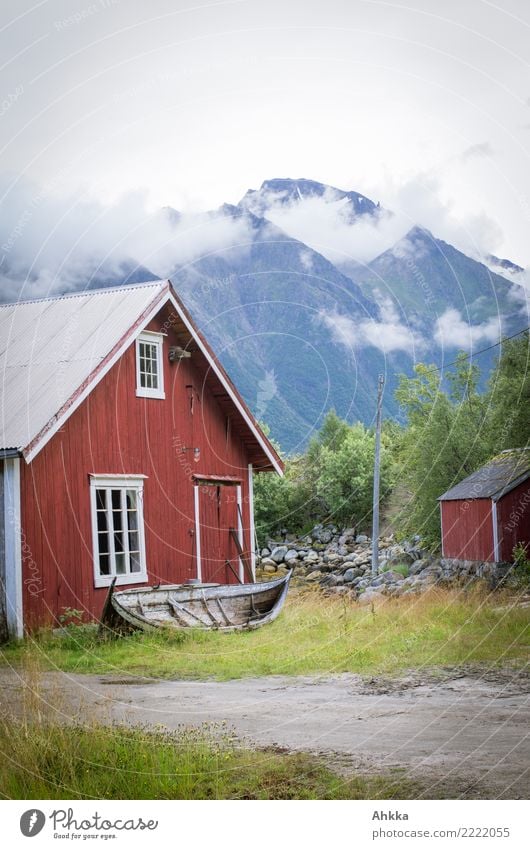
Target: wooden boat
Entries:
(224, 607)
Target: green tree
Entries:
(508, 397)
(347, 474)
(443, 443)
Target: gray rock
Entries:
(405, 557)
(370, 595)
(418, 566)
(291, 554)
(351, 574)
(347, 537)
(329, 580)
(279, 553)
(314, 576)
(265, 552)
(361, 538)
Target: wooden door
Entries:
(217, 505)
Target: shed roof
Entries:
(55, 350)
(502, 474)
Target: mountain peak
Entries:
(284, 190)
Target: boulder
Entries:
(418, 566)
(278, 554)
(347, 537)
(361, 538)
(370, 595)
(314, 576)
(351, 574)
(291, 554)
(404, 557)
(330, 580)
(265, 552)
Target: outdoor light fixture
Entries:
(178, 353)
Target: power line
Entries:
(476, 353)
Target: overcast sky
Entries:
(422, 105)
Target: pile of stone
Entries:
(339, 561)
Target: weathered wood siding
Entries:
(513, 516)
(113, 431)
(467, 529)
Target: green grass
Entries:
(40, 761)
(314, 634)
(400, 568)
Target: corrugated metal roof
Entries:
(495, 479)
(48, 348)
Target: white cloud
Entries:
(477, 151)
(306, 259)
(325, 224)
(451, 331)
(52, 244)
(388, 334)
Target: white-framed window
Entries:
(150, 365)
(118, 529)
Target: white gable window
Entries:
(118, 529)
(149, 365)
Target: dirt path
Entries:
(460, 734)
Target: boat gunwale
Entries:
(145, 624)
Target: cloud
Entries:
(477, 151)
(388, 334)
(306, 259)
(326, 224)
(451, 331)
(50, 244)
(419, 200)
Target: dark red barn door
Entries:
(217, 514)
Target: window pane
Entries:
(103, 543)
(116, 499)
(101, 502)
(148, 365)
(102, 521)
(135, 562)
(131, 499)
(133, 541)
(120, 564)
(104, 564)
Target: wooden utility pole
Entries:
(377, 460)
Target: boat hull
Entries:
(207, 607)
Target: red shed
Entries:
(485, 515)
(127, 452)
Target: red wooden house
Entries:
(126, 452)
(485, 515)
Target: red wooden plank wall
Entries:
(513, 516)
(467, 530)
(113, 431)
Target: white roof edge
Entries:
(52, 427)
(82, 293)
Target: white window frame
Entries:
(149, 337)
(121, 482)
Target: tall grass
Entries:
(315, 634)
